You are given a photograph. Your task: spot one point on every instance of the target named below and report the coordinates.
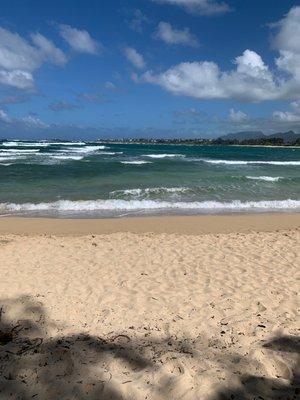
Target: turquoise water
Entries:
(96, 179)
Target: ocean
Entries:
(92, 179)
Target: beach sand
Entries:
(153, 308)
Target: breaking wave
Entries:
(244, 162)
(265, 178)
(134, 205)
(140, 162)
(163, 155)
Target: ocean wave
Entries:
(5, 158)
(134, 205)
(163, 155)
(67, 157)
(19, 151)
(245, 162)
(40, 144)
(109, 153)
(265, 178)
(85, 149)
(154, 190)
(140, 162)
(64, 143)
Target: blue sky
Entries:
(148, 68)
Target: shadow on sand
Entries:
(34, 365)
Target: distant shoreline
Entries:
(169, 142)
(198, 144)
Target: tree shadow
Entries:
(35, 365)
(262, 388)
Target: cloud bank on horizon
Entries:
(138, 66)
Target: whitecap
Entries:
(245, 162)
(163, 155)
(265, 178)
(136, 162)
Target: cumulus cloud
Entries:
(237, 116)
(135, 58)
(170, 35)
(79, 40)
(250, 80)
(289, 116)
(201, 7)
(19, 58)
(17, 78)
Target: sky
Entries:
(148, 68)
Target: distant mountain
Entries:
(287, 137)
(245, 135)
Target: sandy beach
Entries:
(151, 308)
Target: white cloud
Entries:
(34, 121)
(80, 40)
(19, 58)
(250, 80)
(17, 78)
(110, 86)
(170, 35)
(286, 116)
(17, 53)
(204, 80)
(48, 50)
(202, 7)
(289, 116)
(288, 44)
(134, 57)
(237, 116)
(3, 116)
(289, 33)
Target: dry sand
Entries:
(150, 315)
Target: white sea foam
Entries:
(5, 158)
(24, 144)
(65, 143)
(67, 157)
(40, 144)
(163, 155)
(19, 151)
(265, 178)
(85, 149)
(133, 205)
(140, 162)
(109, 153)
(154, 190)
(244, 162)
